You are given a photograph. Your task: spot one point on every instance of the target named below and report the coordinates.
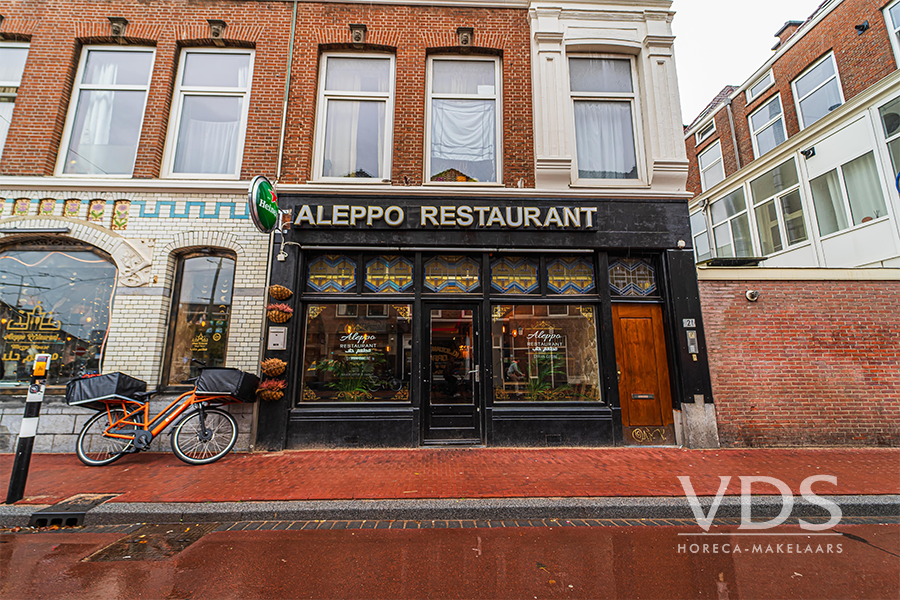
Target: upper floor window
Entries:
(463, 96)
(731, 225)
(701, 238)
(707, 131)
(862, 202)
(818, 91)
(778, 209)
(764, 83)
(354, 121)
(106, 111)
(890, 122)
(892, 18)
(712, 171)
(12, 65)
(767, 126)
(604, 102)
(210, 105)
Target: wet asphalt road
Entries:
(506, 562)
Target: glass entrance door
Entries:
(453, 399)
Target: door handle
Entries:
(618, 373)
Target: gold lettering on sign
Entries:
(36, 320)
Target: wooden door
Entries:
(642, 364)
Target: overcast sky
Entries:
(721, 42)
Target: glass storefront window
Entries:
(451, 274)
(570, 276)
(389, 275)
(357, 353)
(632, 277)
(201, 317)
(55, 302)
(545, 353)
(332, 273)
(514, 275)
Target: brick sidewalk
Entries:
(455, 473)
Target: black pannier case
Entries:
(218, 381)
(91, 391)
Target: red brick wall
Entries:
(723, 135)
(862, 60)
(57, 30)
(810, 363)
(412, 32)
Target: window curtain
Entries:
(208, 135)
(605, 140)
(864, 189)
(99, 109)
(828, 201)
(354, 139)
(463, 131)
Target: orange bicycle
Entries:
(123, 425)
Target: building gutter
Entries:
(287, 90)
(737, 154)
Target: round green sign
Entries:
(263, 204)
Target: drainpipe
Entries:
(287, 89)
(737, 155)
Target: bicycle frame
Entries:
(187, 399)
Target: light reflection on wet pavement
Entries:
(510, 562)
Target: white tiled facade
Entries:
(161, 226)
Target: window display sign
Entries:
(357, 353)
(54, 302)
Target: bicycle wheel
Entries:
(95, 449)
(196, 447)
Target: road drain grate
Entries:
(153, 542)
(69, 512)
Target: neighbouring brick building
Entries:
(488, 236)
(795, 170)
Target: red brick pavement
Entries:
(456, 473)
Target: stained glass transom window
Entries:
(514, 275)
(451, 274)
(332, 273)
(631, 277)
(389, 274)
(570, 276)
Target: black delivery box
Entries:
(218, 381)
(92, 390)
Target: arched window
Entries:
(201, 314)
(56, 300)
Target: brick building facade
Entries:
(794, 170)
(465, 233)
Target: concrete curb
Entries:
(115, 513)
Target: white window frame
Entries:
(78, 86)
(178, 97)
(14, 84)
(836, 77)
(729, 222)
(704, 134)
(775, 98)
(705, 233)
(893, 30)
(752, 205)
(752, 97)
(845, 197)
(322, 111)
(636, 123)
(715, 145)
(498, 116)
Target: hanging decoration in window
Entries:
(451, 274)
(332, 273)
(631, 277)
(570, 276)
(514, 275)
(389, 274)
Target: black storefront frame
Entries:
(538, 423)
(621, 227)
